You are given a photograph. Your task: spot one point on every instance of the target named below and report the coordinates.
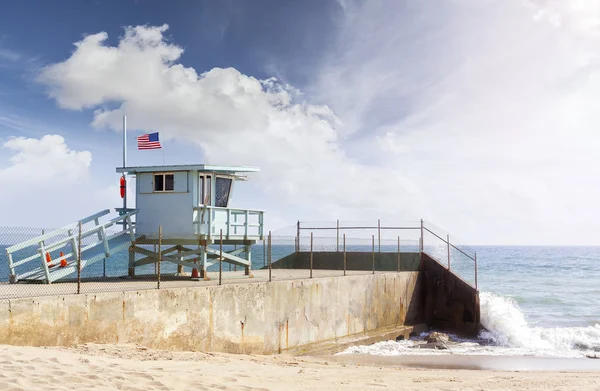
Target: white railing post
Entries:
(74, 246)
(228, 222)
(130, 225)
(10, 265)
(104, 241)
(42, 251)
(209, 222)
(246, 223)
(235, 220)
(97, 222)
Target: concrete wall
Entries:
(241, 318)
(449, 303)
(354, 261)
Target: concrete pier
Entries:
(247, 317)
(251, 315)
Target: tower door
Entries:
(204, 189)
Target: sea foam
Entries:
(507, 332)
(507, 326)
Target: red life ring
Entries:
(123, 186)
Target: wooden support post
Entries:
(344, 254)
(221, 257)
(159, 256)
(179, 267)
(79, 260)
(131, 269)
(203, 259)
(311, 254)
(247, 270)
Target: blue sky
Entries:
(477, 116)
(261, 39)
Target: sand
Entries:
(131, 368)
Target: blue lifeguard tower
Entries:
(184, 208)
(191, 205)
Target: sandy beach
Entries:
(133, 368)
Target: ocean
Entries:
(535, 301)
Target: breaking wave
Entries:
(506, 325)
(507, 332)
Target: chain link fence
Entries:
(92, 257)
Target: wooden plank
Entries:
(229, 258)
(149, 261)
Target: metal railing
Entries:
(235, 223)
(386, 248)
(422, 228)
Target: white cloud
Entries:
(46, 177)
(9, 55)
(44, 161)
(479, 115)
(489, 107)
(234, 118)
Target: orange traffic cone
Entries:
(63, 262)
(195, 273)
(49, 259)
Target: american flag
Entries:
(148, 141)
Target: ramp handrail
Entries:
(56, 232)
(71, 238)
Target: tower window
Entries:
(164, 182)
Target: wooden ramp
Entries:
(53, 255)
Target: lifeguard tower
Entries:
(191, 205)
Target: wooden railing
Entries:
(235, 223)
(68, 236)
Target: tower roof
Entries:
(232, 170)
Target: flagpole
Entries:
(125, 160)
